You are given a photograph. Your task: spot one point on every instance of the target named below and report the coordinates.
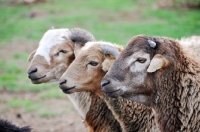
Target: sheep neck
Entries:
(132, 116)
(81, 101)
(99, 118)
(177, 103)
(95, 112)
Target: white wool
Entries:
(89, 44)
(192, 45)
(51, 37)
(81, 101)
(191, 41)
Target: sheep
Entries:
(6, 126)
(85, 74)
(54, 54)
(156, 72)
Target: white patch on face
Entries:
(136, 66)
(51, 38)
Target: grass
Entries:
(48, 114)
(28, 105)
(52, 93)
(31, 106)
(13, 77)
(105, 20)
(20, 56)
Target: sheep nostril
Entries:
(32, 71)
(62, 82)
(105, 82)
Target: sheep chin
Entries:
(52, 82)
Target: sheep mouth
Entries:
(114, 93)
(36, 79)
(68, 90)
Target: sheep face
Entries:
(52, 57)
(133, 74)
(87, 70)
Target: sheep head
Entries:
(135, 73)
(90, 65)
(55, 53)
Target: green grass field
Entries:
(116, 21)
(113, 20)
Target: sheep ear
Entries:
(157, 63)
(31, 55)
(77, 48)
(111, 53)
(107, 63)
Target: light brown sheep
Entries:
(54, 54)
(156, 71)
(85, 74)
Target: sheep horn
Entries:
(107, 49)
(80, 36)
(152, 43)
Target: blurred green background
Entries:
(116, 21)
(23, 25)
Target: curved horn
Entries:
(111, 50)
(80, 36)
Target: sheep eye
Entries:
(141, 60)
(63, 51)
(57, 54)
(93, 63)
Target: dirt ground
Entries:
(63, 122)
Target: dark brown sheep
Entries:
(156, 71)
